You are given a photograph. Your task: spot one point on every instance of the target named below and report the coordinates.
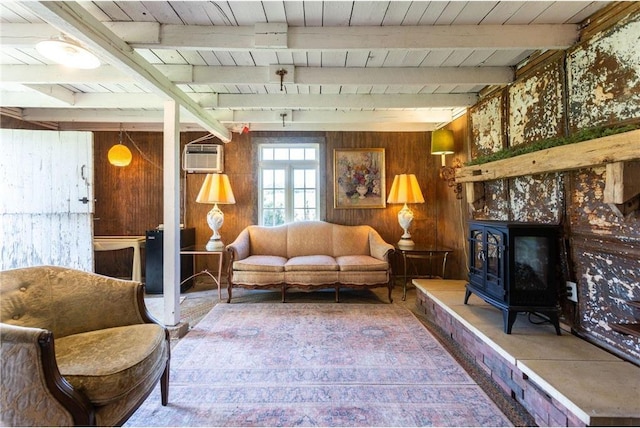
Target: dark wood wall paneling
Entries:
(129, 199)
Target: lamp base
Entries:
(214, 245)
(406, 243)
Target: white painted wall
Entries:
(43, 177)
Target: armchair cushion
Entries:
(107, 364)
(77, 348)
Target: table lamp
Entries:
(405, 190)
(215, 190)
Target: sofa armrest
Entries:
(378, 247)
(31, 382)
(241, 247)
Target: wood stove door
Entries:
(494, 263)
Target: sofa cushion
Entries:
(107, 364)
(311, 263)
(308, 238)
(270, 241)
(350, 240)
(361, 263)
(261, 263)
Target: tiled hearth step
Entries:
(561, 380)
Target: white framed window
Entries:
(289, 183)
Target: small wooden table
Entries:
(109, 243)
(421, 252)
(201, 250)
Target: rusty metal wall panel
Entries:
(588, 214)
(487, 126)
(536, 104)
(604, 77)
(496, 202)
(536, 198)
(605, 251)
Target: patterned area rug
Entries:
(316, 364)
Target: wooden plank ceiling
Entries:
(350, 65)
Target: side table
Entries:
(201, 250)
(421, 252)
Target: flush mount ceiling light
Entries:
(67, 52)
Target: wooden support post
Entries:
(622, 187)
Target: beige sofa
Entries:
(309, 255)
(77, 348)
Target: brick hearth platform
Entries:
(561, 380)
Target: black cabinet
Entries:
(154, 260)
(514, 267)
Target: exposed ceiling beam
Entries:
(23, 36)
(240, 38)
(74, 20)
(350, 101)
(238, 75)
(190, 127)
(253, 117)
(55, 92)
(109, 100)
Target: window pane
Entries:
(298, 178)
(310, 199)
(310, 154)
(298, 199)
(267, 198)
(297, 154)
(310, 177)
(279, 178)
(279, 198)
(267, 178)
(267, 154)
(298, 215)
(281, 154)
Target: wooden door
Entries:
(46, 199)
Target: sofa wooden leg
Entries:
(337, 294)
(229, 293)
(284, 293)
(390, 290)
(164, 385)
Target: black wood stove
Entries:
(513, 266)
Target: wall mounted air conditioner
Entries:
(203, 158)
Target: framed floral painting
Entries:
(358, 178)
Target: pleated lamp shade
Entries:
(405, 190)
(216, 190)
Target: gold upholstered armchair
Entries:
(77, 348)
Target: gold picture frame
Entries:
(358, 178)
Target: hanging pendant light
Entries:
(119, 154)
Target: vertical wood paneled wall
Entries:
(129, 199)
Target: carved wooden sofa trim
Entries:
(309, 255)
